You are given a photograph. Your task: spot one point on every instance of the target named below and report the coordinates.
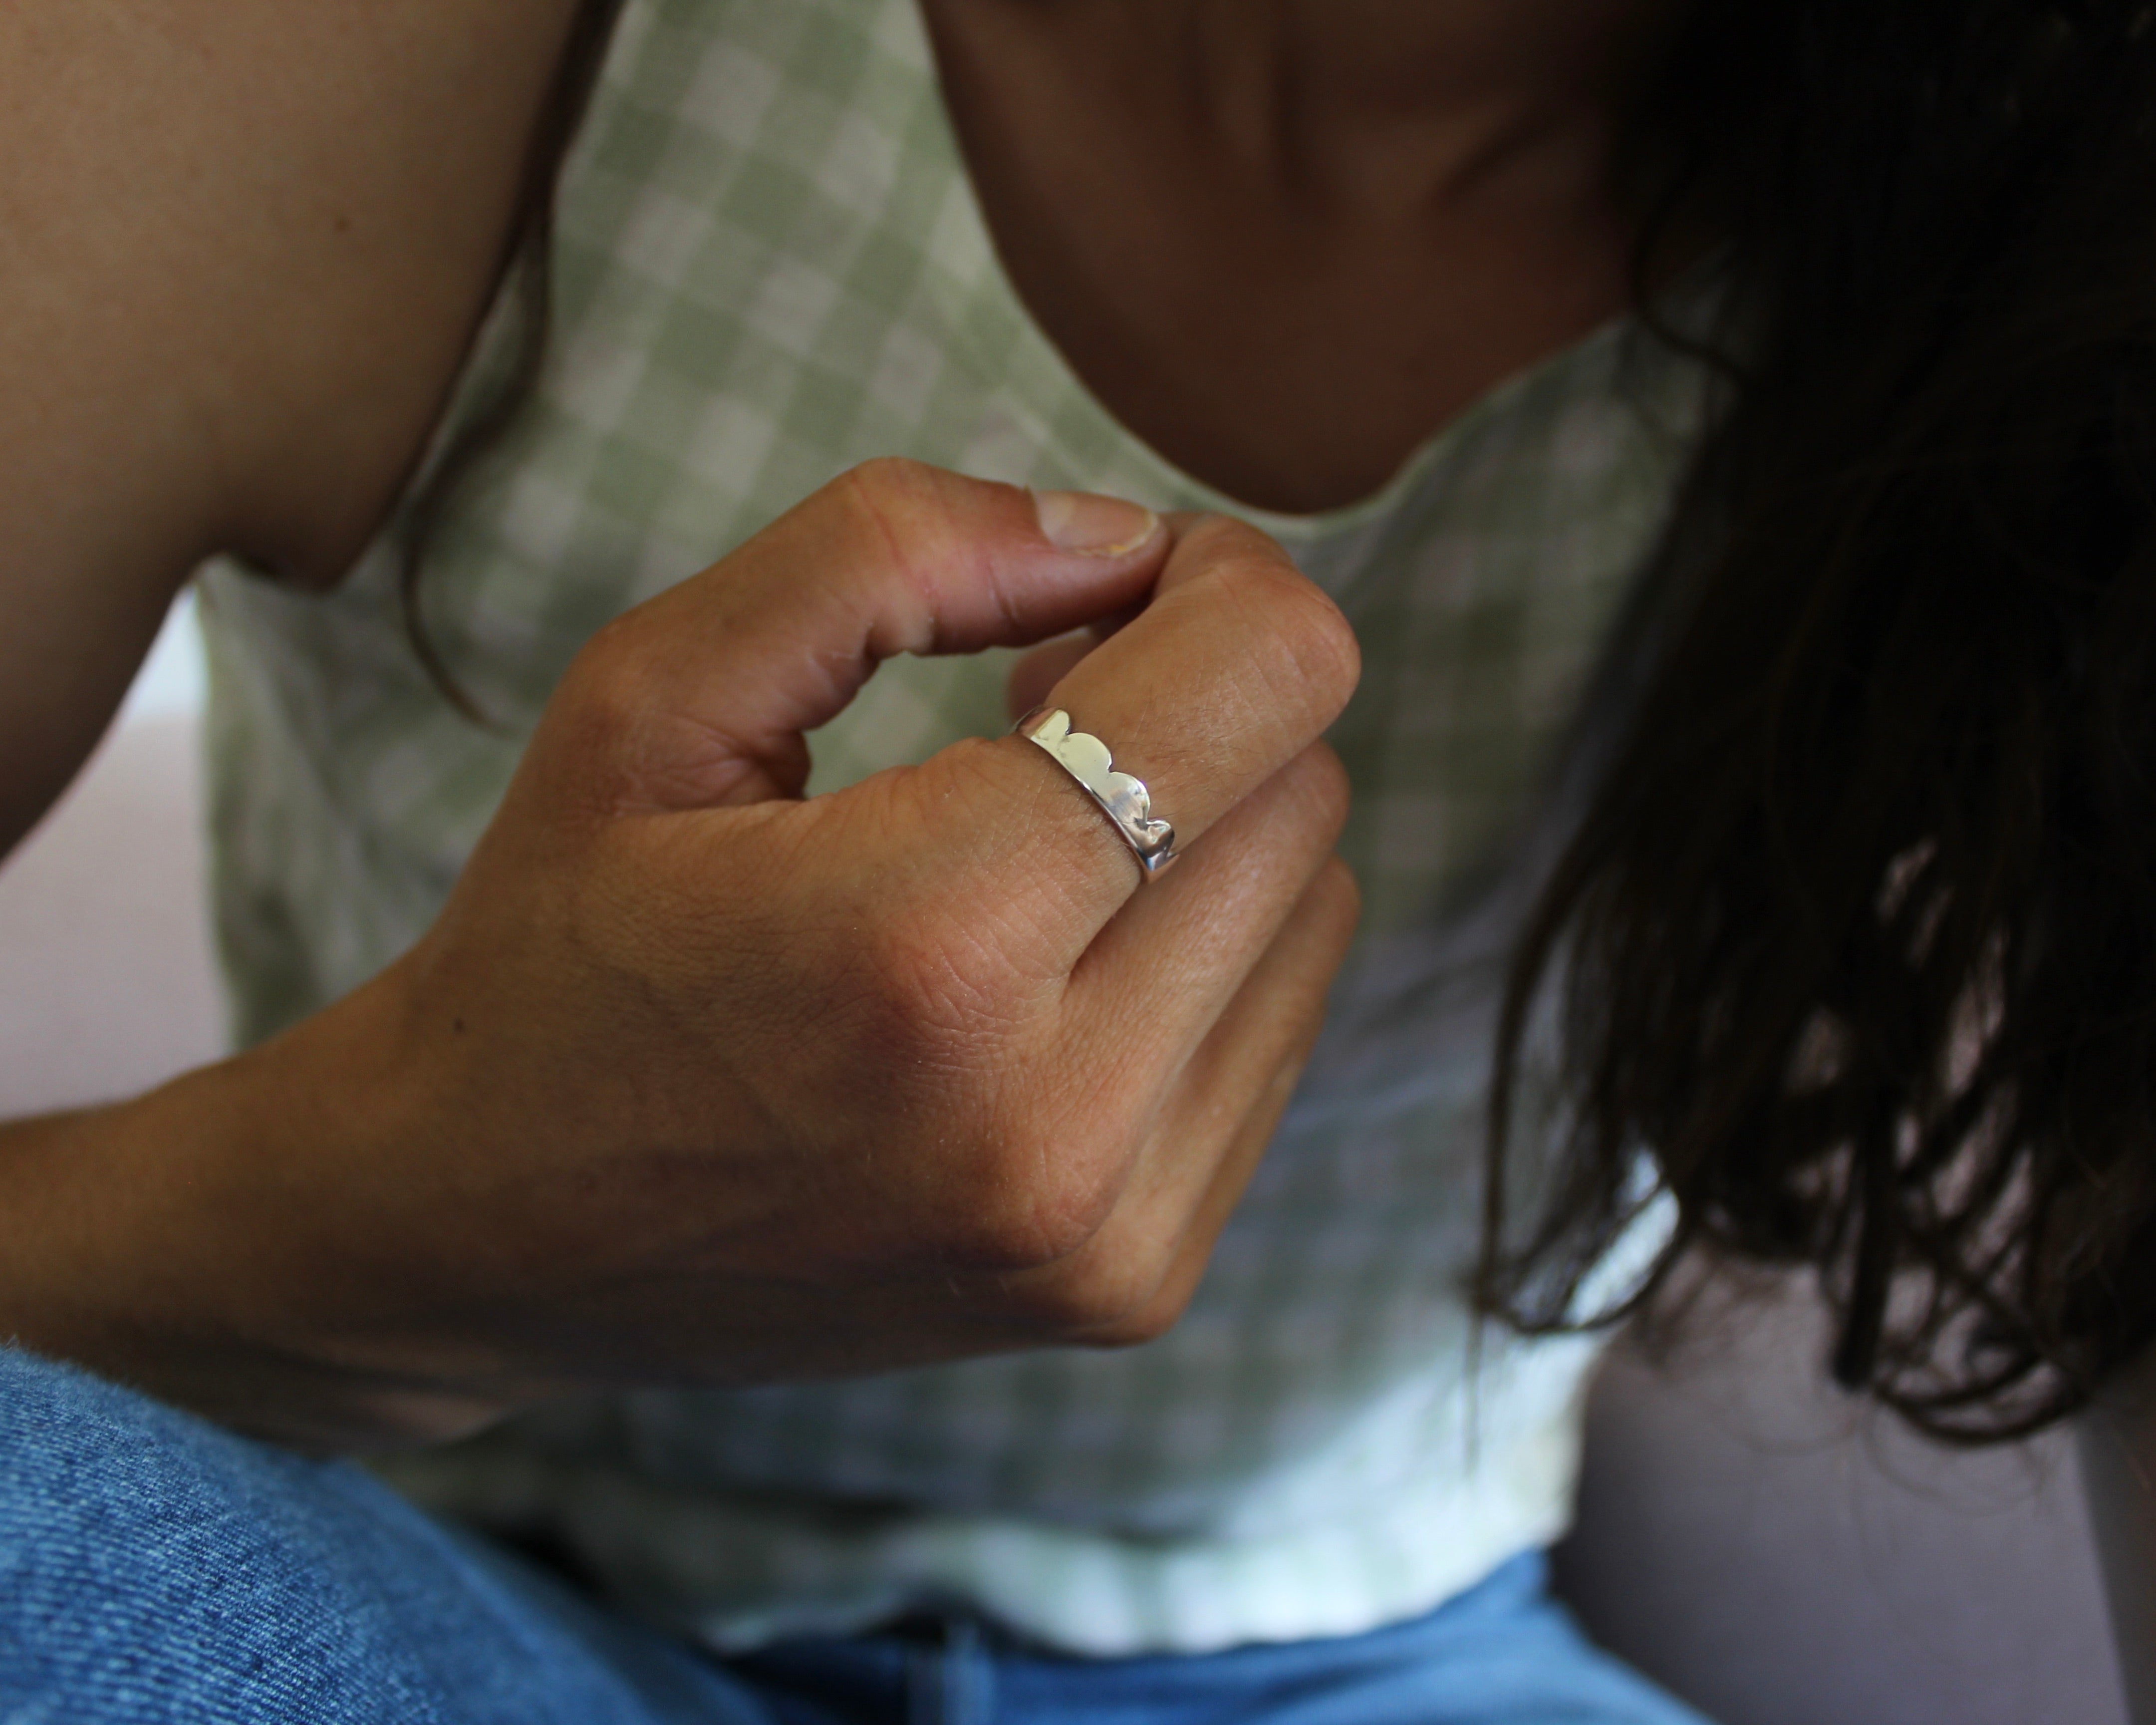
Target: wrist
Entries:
(209, 1243)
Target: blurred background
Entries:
(1768, 1551)
(106, 984)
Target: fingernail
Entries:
(1086, 521)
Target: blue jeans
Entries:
(154, 1568)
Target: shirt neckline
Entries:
(910, 33)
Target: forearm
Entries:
(208, 1242)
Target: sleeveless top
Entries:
(770, 265)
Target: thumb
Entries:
(700, 696)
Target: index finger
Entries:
(1238, 664)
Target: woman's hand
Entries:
(694, 1081)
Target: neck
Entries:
(1284, 240)
(1394, 100)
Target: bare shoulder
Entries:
(246, 240)
(243, 246)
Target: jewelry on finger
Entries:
(1122, 798)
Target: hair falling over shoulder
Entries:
(1857, 939)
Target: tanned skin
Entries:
(244, 249)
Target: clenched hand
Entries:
(696, 1081)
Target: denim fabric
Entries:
(154, 1568)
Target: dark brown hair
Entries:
(1855, 947)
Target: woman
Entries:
(690, 1104)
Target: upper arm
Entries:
(243, 246)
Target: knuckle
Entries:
(937, 984)
(604, 697)
(1222, 536)
(886, 482)
(1030, 1205)
(910, 509)
(1337, 892)
(1129, 1304)
(1101, 1302)
(894, 504)
(604, 664)
(1323, 785)
(921, 524)
(1148, 1322)
(951, 986)
(1302, 642)
(977, 807)
(1316, 639)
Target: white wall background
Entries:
(106, 983)
(170, 680)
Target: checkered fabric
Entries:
(771, 266)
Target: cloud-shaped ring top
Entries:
(1124, 800)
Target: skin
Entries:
(599, 1127)
(1286, 240)
(605, 1124)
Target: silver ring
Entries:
(1123, 800)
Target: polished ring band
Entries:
(1123, 800)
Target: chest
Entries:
(769, 266)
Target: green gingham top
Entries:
(770, 266)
